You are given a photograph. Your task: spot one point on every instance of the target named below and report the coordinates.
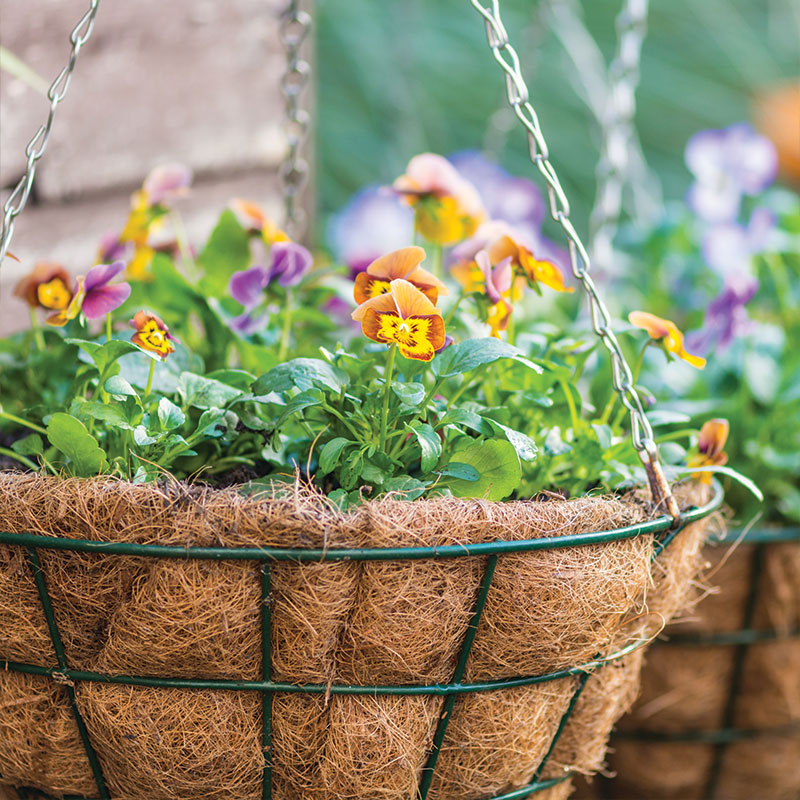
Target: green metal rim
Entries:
(769, 534)
(747, 636)
(659, 525)
(721, 736)
(436, 690)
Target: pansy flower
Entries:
(46, 286)
(403, 263)
(498, 283)
(447, 207)
(405, 317)
(255, 221)
(536, 271)
(290, 263)
(93, 295)
(667, 334)
(728, 163)
(709, 453)
(152, 334)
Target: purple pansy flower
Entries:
(290, 262)
(729, 248)
(726, 317)
(375, 221)
(111, 249)
(726, 164)
(166, 182)
(99, 298)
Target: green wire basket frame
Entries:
(721, 737)
(663, 528)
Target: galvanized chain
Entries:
(622, 378)
(618, 131)
(610, 95)
(38, 144)
(295, 25)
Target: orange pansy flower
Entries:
(713, 436)
(255, 220)
(667, 333)
(403, 264)
(535, 270)
(152, 334)
(405, 317)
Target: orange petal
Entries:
(411, 301)
(382, 303)
(656, 327)
(427, 283)
(371, 324)
(397, 264)
(713, 436)
(367, 287)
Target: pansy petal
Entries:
(411, 301)
(165, 182)
(290, 262)
(102, 274)
(656, 327)
(713, 436)
(104, 299)
(381, 304)
(246, 286)
(397, 264)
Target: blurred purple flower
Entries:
(726, 164)
(111, 249)
(726, 317)
(729, 248)
(100, 298)
(374, 222)
(166, 182)
(290, 262)
(448, 340)
(249, 323)
(247, 286)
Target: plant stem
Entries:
(436, 260)
(150, 378)
(287, 328)
(32, 425)
(108, 327)
(606, 416)
(573, 411)
(387, 377)
(452, 312)
(37, 331)
(4, 451)
(331, 410)
(783, 287)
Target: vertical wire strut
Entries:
(38, 144)
(266, 671)
(756, 569)
(58, 647)
(426, 778)
(295, 26)
(622, 378)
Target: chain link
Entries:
(38, 144)
(295, 26)
(622, 378)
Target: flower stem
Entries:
(32, 425)
(386, 392)
(17, 457)
(150, 378)
(287, 328)
(436, 260)
(108, 327)
(37, 331)
(573, 411)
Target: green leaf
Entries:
(302, 374)
(238, 378)
(523, 444)
(206, 425)
(331, 453)
(117, 386)
(412, 394)
(142, 437)
(731, 473)
(472, 353)
(665, 416)
(169, 415)
(604, 435)
(227, 251)
(70, 436)
(31, 445)
(497, 463)
(201, 392)
(300, 402)
(467, 419)
(429, 442)
(456, 469)
(410, 487)
(106, 354)
(104, 412)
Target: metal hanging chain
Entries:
(38, 144)
(622, 378)
(295, 25)
(610, 95)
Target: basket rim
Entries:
(661, 524)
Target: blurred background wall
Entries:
(197, 81)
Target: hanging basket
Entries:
(185, 642)
(719, 716)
